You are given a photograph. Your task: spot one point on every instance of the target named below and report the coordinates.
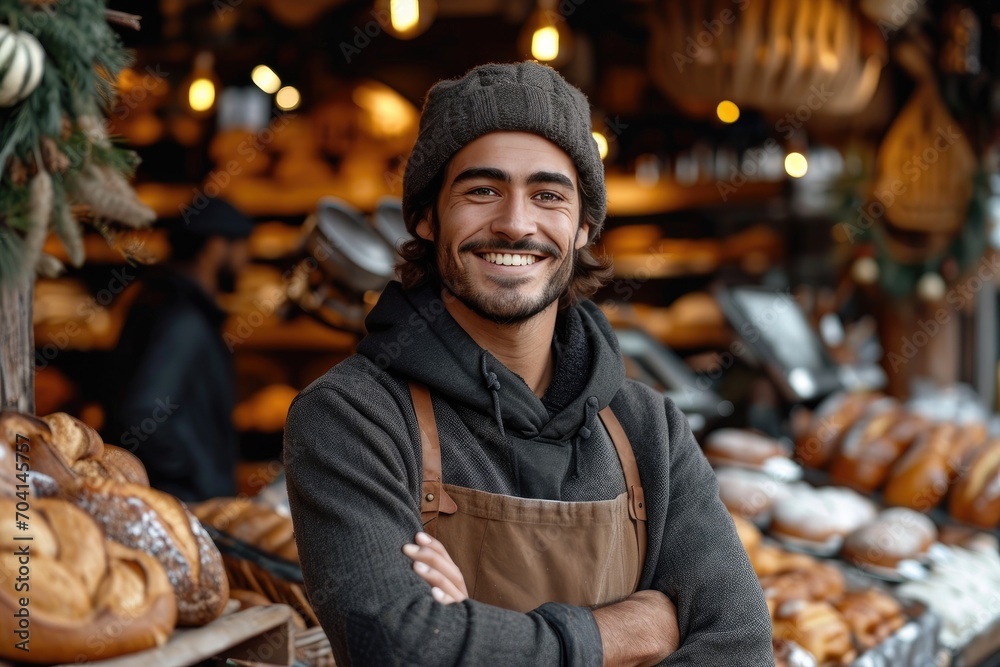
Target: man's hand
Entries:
(639, 631)
(432, 562)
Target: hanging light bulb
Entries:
(265, 79)
(202, 84)
(405, 19)
(602, 143)
(546, 36)
(288, 98)
(796, 165)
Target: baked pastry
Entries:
(86, 455)
(819, 442)
(89, 598)
(157, 523)
(873, 444)
(976, 496)
(818, 519)
(818, 581)
(961, 589)
(817, 627)
(920, 479)
(44, 458)
(739, 447)
(748, 493)
(872, 616)
(251, 522)
(790, 654)
(897, 534)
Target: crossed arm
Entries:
(639, 631)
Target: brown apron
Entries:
(518, 553)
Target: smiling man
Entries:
(480, 484)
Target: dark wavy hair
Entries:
(419, 264)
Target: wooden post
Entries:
(17, 346)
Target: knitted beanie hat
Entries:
(516, 97)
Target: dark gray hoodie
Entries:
(353, 461)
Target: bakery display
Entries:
(90, 598)
(975, 499)
(817, 627)
(961, 589)
(920, 479)
(872, 616)
(873, 444)
(817, 520)
(896, 535)
(252, 523)
(817, 444)
(748, 493)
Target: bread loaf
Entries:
(920, 479)
(873, 445)
(42, 455)
(88, 598)
(897, 534)
(86, 455)
(142, 518)
(817, 444)
(976, 496)
(252, 523)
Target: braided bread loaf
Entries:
(87, 597)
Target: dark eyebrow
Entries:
(487, 173)
(553, 177)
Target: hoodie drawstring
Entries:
(493, 384)
(583, 433)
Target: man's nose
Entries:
(515, 219)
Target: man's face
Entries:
(232, 263)
(508, 225)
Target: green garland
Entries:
(62, 118)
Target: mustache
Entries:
(521, 246)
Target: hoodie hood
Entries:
(410, 333)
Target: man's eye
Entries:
(549, 196)
(483, 191)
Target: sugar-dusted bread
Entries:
(157, 523)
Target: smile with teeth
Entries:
(509, 259)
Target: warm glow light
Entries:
(602, 144)
(201, 94)
(404, 14)
(389, 114)
(288, 98)
(545, 44)
(266, 79)
(796, 165)
(727, 111)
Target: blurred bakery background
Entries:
(803, 206)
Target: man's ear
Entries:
(424, 228)
(582, 235)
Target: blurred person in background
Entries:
(171, 383)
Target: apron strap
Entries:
(434, 499)
(636, 499)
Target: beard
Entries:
(504, 303)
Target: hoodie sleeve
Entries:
(352, 494)
(704, 568)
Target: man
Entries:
(171, 381)
(488, 406)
